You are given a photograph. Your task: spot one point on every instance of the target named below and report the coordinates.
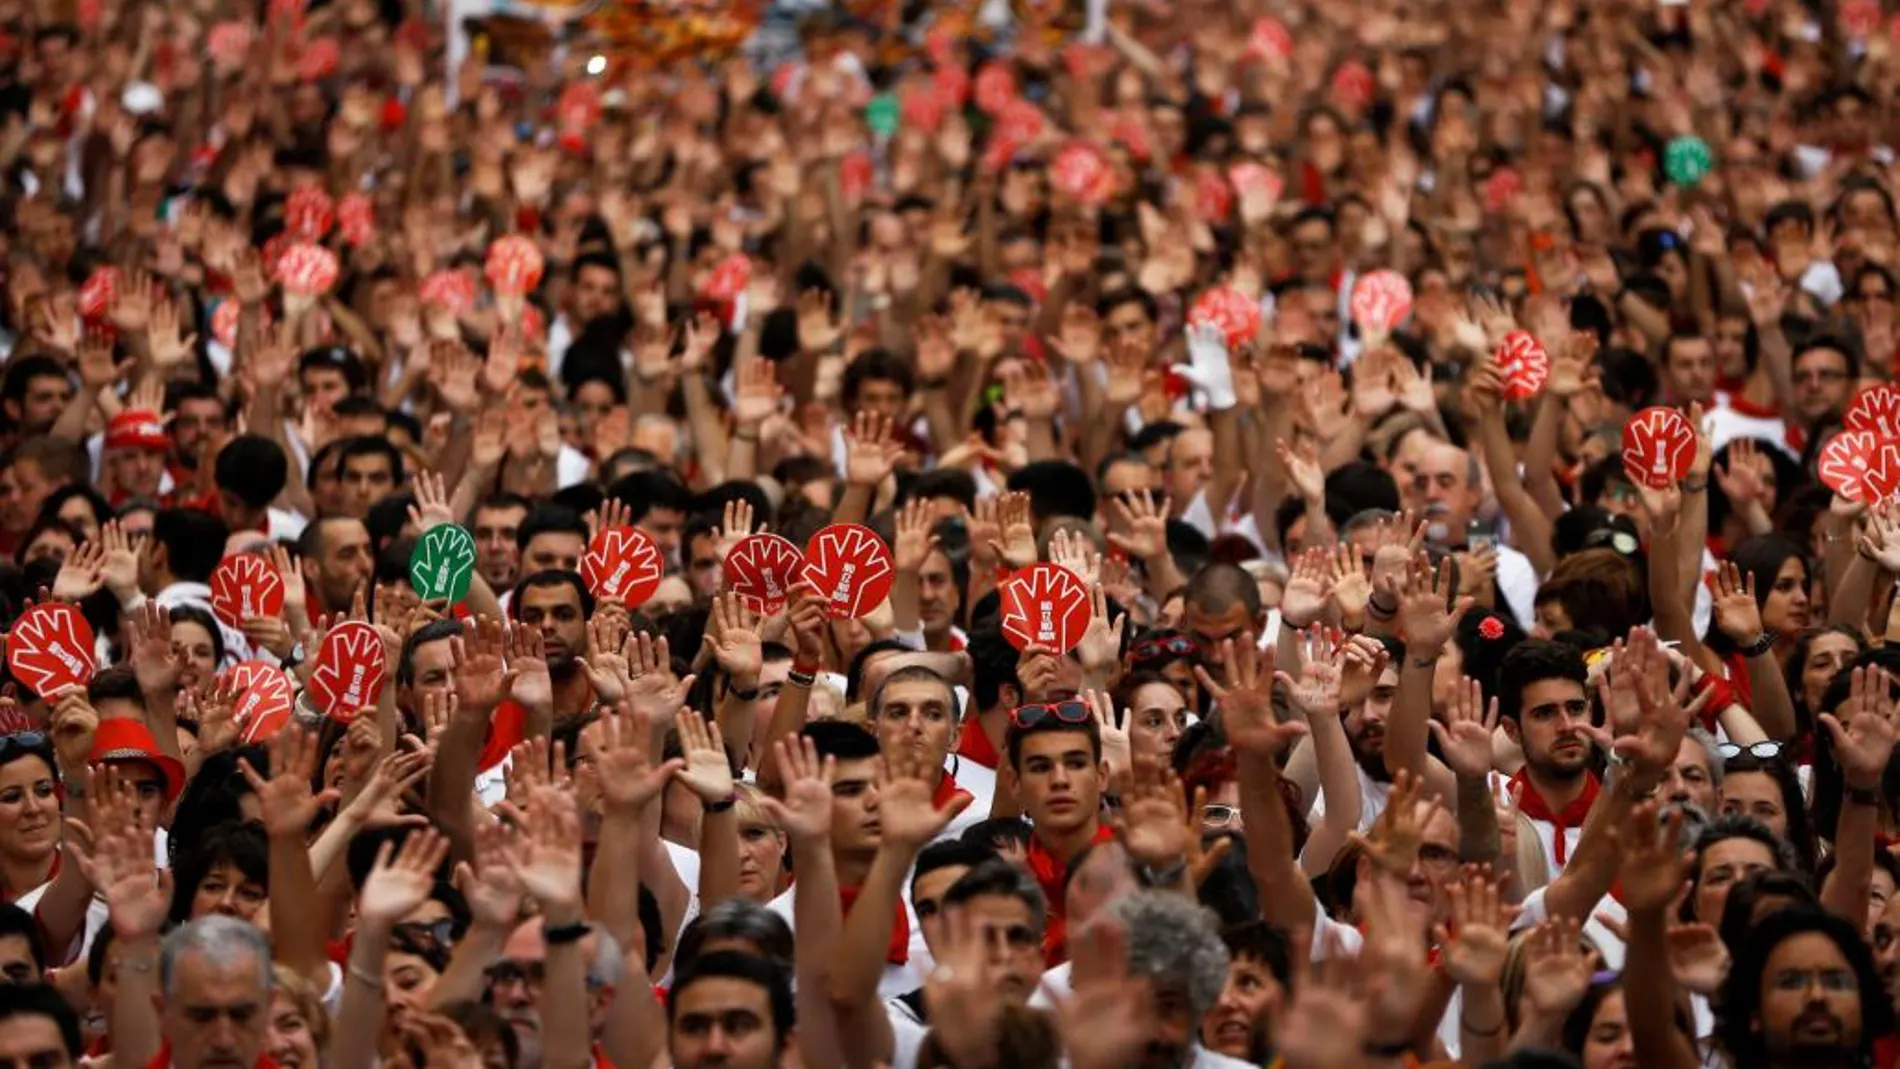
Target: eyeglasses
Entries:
(1149, 649)
(1766, 750)
(1217, 815)
(530, 974)
(1037, 714)
(1435, 856)
(1624, 543)
(25, 740)
(1834, 980)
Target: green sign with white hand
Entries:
(1686, 159)
(443, 564)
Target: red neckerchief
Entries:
(1051, 872)
(1532, 805)
(506, 727)
(974, 743)
(1742, 406)
(898, 953)
(946, 790)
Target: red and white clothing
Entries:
(1558, 827)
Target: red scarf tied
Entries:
(1533, 805)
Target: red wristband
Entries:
(806, 668)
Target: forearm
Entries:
(1847, 603)
(452, 779)
(1540, 455)
(1847, 888)
(1339, 784)
(1649, 996)
(1530, 526)
(787, 719)
(1773, 707)
(635, 1032)
(867, 931)
(816, 917)
(1481, 1024)
(136, 1036)
(613, 888)
(1286, 899)
(359, 1021)
(61, 911)
(295, 942)
(854, 505)
(466, 977)
(718, 855)
(568, 1035)
(1479, 841)
(709, 434)
(1587, 876)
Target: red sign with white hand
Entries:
(1523, 365)
(729, 277)
(96, 293)
(1044, 605)
(1658, 447)
(451, 289)
(309, 212)
(514, 265)
(265, 699)
(1229, 309)
(1381, 300)
(244, 587)
(1081, 173)
(622, 564)
(348, 677)
(50, 648)
(1845, 462)
(850, 567)
(1877, 409)
(307, 270)
(356, 219)
(761, 568)
(1882, 480)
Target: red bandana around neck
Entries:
(898, 952)
(1051, 872)
(946, 790)
(1532, 805)
(973, 743)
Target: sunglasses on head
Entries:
(1766, 750)
(1037, 714)
(1149, 649)
(21, 740)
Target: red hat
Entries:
(137, 428)
(123, 738)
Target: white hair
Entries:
(224, 941)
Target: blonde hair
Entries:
(750, 809)
(309, 1003)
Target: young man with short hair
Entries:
(1055, 769)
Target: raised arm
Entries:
(1863, 748)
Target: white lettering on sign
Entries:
(353, 694)
(843, 593)
(1046, 629)
(612, 585)
(442, 576)
(771, 582)
(73, 664)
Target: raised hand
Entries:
(1395, 837)
(123, 868)
(629, 781)
(1363, 661)
(546, 852)
(431, 508)
(1350, 583)
(652, 688)
(1100, 649)
(907, 814)
(400, 880)
(870, 451)
(530, 683)
(805, 813)
(1303, 601)
(1465, 737)
(604, 663)
(1652, 872)
(1864, 744)
(733, 636)
(1427, 614)
(287, 804)
(1736, 612)
(493, 891)
(395, 775)
(480, 680)
(1476, 942)
(1556, 969)
(1245, 698)
(1117, 748)
(1315, 692)
(707, 771)
(81, 574)
(1146, 522)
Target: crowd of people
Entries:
(949, 535)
